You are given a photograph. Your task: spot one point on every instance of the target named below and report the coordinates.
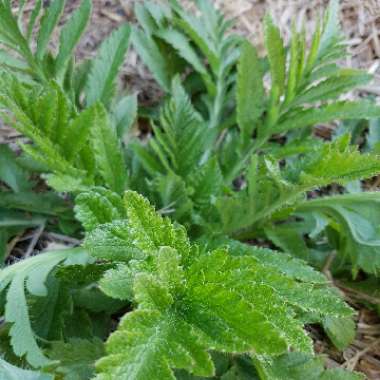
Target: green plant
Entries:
(230, 159)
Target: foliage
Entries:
(230, 157)
(183, 298)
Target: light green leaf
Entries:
(250, 90)
(152, 57)
(340, 110)
(108, 152)
(105, 68)
(341, 331)
(31, 274)
(48, 23)
(125, 114)
(98, 206)
(276, 54)
(298, 366)
(10, 372)
(357, 215)
(71, 34)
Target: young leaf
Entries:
(108, 154)
(105, 68)
(71, 34)
(125, 114)
(250, 90)
(99, 206)
(184, 301)
(48, 23)
(340, 110)
(33, 18)
(276, 54)
(152, 57)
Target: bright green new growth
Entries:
(184, 297)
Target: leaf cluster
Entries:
(230, 157)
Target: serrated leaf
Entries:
(48, 23)
(182, 45)
(31, 275)
(250, 90)
(108, 153)
(105, 68)
(333, 87)
(339, 110)
(276, 54)
(152, 57)
(99, 206)
(150, 354)
(10, 372)
(77, 132)
(179, 144)
(71, 33)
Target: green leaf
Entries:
(99, 206)
(357, 215)
(105, 68)
(179, 145)
(184, 301)
(152, 57)
(33, 18)
(11, 173)
(201, 30)
(31, 274)
(341, 331)
(182, 45)
(108, 153)
(337, 162)
(276, 54)
(71, 34)
(250, 90)
(10, 372)
(340, 110)
(333, 86)
(331, 28)
(125, 114)
(298, 366)
(148, 336)
(48, 23)
(76, 357)
(289, 240)
(10, 33)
